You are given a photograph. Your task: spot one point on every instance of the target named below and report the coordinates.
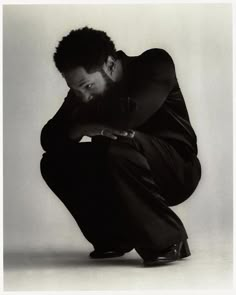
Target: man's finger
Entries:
(108, 134)
(119, 132)
(131, 133)
(111, 136)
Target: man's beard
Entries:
(109, 83)
(112, 88)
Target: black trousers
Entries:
(120, 192)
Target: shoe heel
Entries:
(184, 250)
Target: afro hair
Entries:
(84, 47)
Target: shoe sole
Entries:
(158, 263)
(183, 252)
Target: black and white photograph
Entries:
(117, 146)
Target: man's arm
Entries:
(64, 130)
(151, 79)
(54, 135)
(150, 88)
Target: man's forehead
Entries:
(77, 76)
(77, 73)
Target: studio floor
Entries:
(57, 269)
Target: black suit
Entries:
(119, 192)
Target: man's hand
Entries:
(99, 129)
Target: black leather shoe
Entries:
(175, 252)
(96, 254)
(110, 253)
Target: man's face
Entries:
(87, 86)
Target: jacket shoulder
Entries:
(156, 54)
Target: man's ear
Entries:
(109, 66)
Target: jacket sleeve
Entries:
(149, 83)
(54, 134)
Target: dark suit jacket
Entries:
(148, 99)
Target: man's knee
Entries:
(45, 166)
(51, 167)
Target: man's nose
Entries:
(85, 95)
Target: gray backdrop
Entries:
(198, 37)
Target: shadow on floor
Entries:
(15, 260)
